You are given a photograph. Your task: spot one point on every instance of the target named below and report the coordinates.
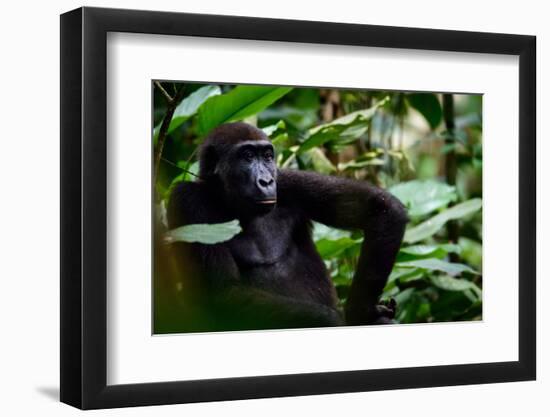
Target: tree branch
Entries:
(172, 104)
(450, 164)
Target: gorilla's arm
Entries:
(241, 306)
(349, 204)
(244, 307)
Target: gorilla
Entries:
(270, 275)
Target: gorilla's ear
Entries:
(208, 161)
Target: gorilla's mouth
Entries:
(267, 201)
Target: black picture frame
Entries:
(84, 207)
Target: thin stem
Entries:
(167, 96)
(178, 167)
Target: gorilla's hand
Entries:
(384, 312)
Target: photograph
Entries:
(292, 207)
(267, 209)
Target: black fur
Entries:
(270, 275)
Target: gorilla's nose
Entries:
(267, 188)
(265, 182)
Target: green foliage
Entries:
(188, 107)
(370, 136)
(205, 233)
(238, 104)
(343, 130)
(424, 197)
(431, 226)
(434, 264)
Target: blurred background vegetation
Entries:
(425, 148)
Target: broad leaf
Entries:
(423, 197)
(320, 162)
(204, 233)
(241, 102)
(454, 284)
(320, 231)
(403, 297)
(471, 251)
(269, 130)
(409, 253)
(357, 164)
(433, 264)
(330, 248)
(428, 105)
(188, 107)
(405, 274)
(432, 226)
(423, 250)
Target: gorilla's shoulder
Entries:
(190, 202)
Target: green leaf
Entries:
(409, 253)
(355, 164)
(471, 251)
(423, 197)
(428, 105)
(419, 250)
(239, 103)
(434, 264)
(190, 174)
(204, 233)
(188, 107)
(269, 130)
(404, 296)
(405, 274)
(432, 226)
(331, 248)
(344, 129)
(331, 242)
(321, 231)
(447, 283)
(320, 162)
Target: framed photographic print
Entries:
(257, 208)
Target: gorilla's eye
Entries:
(248, 155)
(268, 155)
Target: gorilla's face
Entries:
(249, 175)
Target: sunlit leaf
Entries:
(434, 264)
(330, 248)
(269, 130)
(403, 274)
(408, 253)
(423, 197)
(188, 107)
(204, 233)
(454, 284)
(432, 226)
(239, 103)
(472, 251)
(321, 231)
(354, 164)
(320, 162)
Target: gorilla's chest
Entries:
(276, 254)
(263, 242)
